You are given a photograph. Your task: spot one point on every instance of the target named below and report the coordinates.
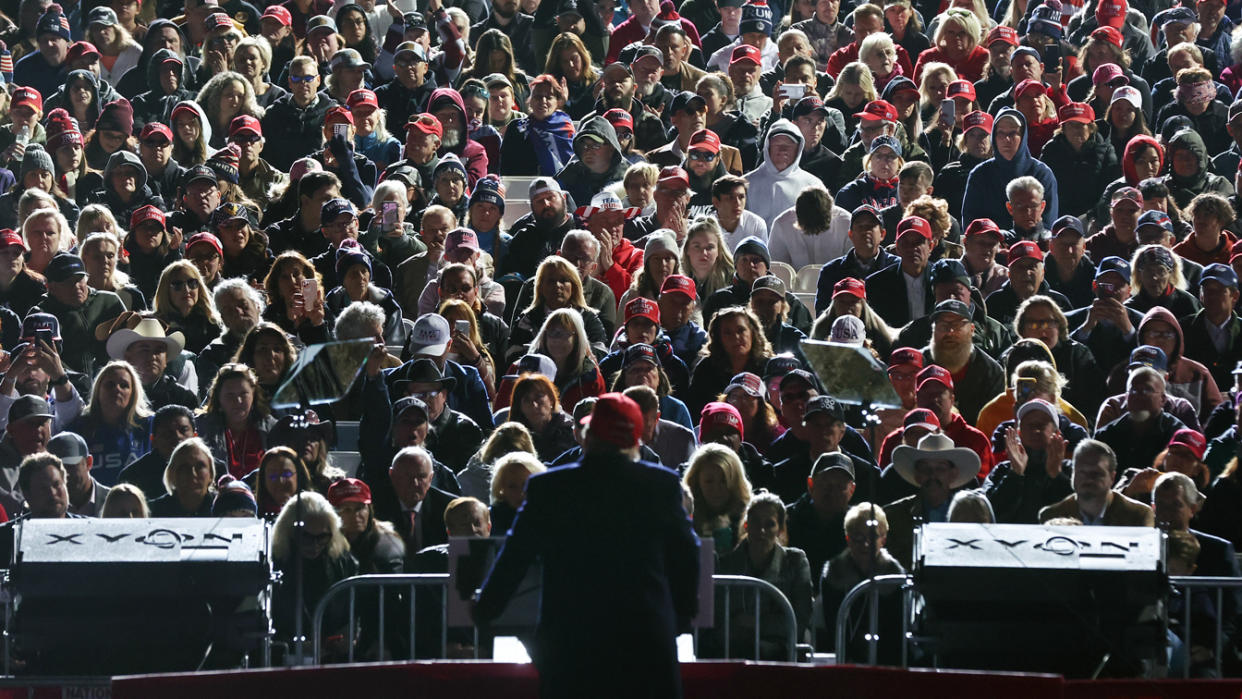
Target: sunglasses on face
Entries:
(183, 284)
(295, 79)
(702, 156)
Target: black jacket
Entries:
(1017, 499)
(1199, 346)
(847, 266)
(886, 292)
(292, 131)
(400, 102)
(1003, 303)
(647, 568)
(532, 243)
(1081, 175)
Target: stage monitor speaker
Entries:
(1071, 600)
(126, 596)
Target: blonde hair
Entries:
(163, 305)
(569, 319)
(856, 73)
(929, 69)
(182, 452)
(113, 501)
(63, 233)
(120, 279)
(507, 438)
(306, 505)
(968, 20)
(550, 265)
(138, 409)
(509, 462)
(864, 513)
(95, 218)
(736, 482)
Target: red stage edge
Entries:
(704, 680)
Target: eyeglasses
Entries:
(702, 156)
(592, 145)
(280, 476)
(153, 143)
(183, 284)
(624, 134)
(1027, 207)
(295, 79)
(203, 258)
(1040, 323)
(425, 396)
(1161, 334)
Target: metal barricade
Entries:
(350, 586)
(872, 587)
(760, 589)
(1188, 584)
(382, 584)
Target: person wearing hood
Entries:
(877, 186)
(597, 161)
(1186, 377)
(1083, 160)
(448, 108)
(1196, 99)
(113, 133)
(79, 96)
(812, 118)
(124, 189)
(985, 186)
(167, 79)
(1190, 172)
(37, 171)
(295, 121)
(775, 184)
(1143, 158)
(541, 143)
(162, 35)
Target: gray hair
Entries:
(971, 506)
(390, 190)
(1181, 482)
(1094, 448)
(1146, 371)
(359, 320)
(1024, 184)
(582, 238)
(238, 285)
(419, 453)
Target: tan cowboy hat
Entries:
(145, 329)
(936, 446)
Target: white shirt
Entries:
(749, 224)
(787, 242)
(720, 59)
(915, 295)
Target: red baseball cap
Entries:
(921, 417)
(914, 224)
(1126, 194)
(878, 110)
(905, 356)
(10, 237)
(338, 115)
(850, 285)
(619, 117)
(1107, 73)
(361, 98)
(278, 13)
(349, 490)
(205, 237)
(80, 49)
(705, 139)
(746, 52)
(1111, 13)
(977, 120)
(1027, 87)
(1076, 111)
(673, 177)
(426, 124)
(679, 284)
(718, 414)
(642, 307)
(1192, 440)
(620, 421)
(1025, 250)
(147, 213)
(1109, 34)
(245, 124)
(27, 97)
(934, 373)
(962, 88)
(156, 128)
(1009, 35)
(984, 226)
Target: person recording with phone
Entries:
(296, 303)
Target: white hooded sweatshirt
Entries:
(772, 191)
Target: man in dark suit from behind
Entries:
(620, 566)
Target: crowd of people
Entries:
(1028, 210)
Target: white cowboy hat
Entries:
(146, 329)
(936, 446)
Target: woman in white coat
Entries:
(811, 232)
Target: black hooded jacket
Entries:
(576, 178)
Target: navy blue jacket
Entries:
(620, 577)
(985, 186)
